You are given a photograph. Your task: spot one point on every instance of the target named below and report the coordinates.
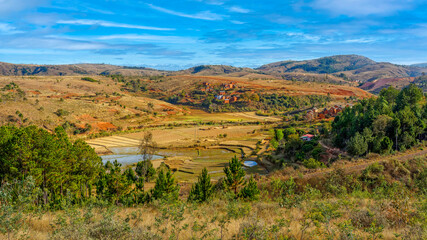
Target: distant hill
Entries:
(377, 85)
(8, 69)
(422, 65)
(207, 70)
(340, 69)
(349, 67)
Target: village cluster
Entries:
(223, 95)
(315, 113)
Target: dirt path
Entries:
(256, 117)
(359, 167)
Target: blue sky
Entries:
(177, 34)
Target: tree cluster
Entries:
(395, 120)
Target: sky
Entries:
(177, 34)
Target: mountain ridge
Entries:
(337, 69)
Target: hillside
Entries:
(205, 70)
(349, 67)
(350, 70)
(83, 105)
(423, 65)
(8, 69)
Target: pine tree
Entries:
(145, 170)
(357, 145)
(234, 174)
(166, 187)
(250, 191)
(202, 190)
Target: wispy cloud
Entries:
(205, 15)
(35, 42)
(48, 43)
(362, 7)
(238, 9)
(140, 37)
(11, 6)
(237, 22)
(6, 28)
(212, 2)
(110, 24)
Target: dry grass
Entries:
(260, 215)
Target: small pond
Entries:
(250, 163)
(125, 155)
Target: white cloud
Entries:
(212, 2)
(110, 24)
(52, 43)
(237, 22)
(238, 9)
(6, 28)
(154, 38)
(362, 7)
(11, 6)
(360, 40)
(205, 15)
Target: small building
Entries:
(307, 137)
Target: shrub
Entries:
(250, 191)
(365, 218)
(61, 112)
(89, 79)
(312, 163)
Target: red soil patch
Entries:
(86, 117)
(34, 92)
(381, 83)
(103, 126)
(113, 110)
(64, 96)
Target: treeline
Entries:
(396, 120)
(252, 102)
(58, 167)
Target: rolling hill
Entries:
(349, 67)
(340, 69)
(9, 69)
(422, 65)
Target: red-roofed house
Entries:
(307, 137)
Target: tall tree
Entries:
(202, 190)
(250, 191)
(147, 148)
(166, 187)
(234, 174)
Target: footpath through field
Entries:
(351, 168)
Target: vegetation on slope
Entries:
(348, 67)
(385, 200)
(395, 120)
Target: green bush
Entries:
(89, 79)
(312, 163)
(250, 191)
